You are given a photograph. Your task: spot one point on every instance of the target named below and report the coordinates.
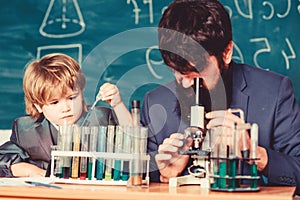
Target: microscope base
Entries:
(189, 180)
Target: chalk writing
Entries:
(150, 62)
(239, 57)
(259, 51)
(272, 10)
(286, 57)
(249, 5)
(137, 10)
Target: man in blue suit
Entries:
(195, 40)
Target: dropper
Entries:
(98, 98)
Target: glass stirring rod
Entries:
(98, 98)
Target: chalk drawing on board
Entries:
(74, 50)
(237, 54)
(150, 62)
(248, 6)
(136, 10)
(63, 18)
(287, 57)
(150, 10)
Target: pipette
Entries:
(98, 98)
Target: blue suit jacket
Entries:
(266, 99)
(31, 139)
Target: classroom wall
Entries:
(116, 41)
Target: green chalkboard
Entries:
(116, 41)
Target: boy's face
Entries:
(60, 108)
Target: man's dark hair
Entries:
(189, 30)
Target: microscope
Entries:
(196, 133)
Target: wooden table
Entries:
(154, 191)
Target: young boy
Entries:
(53, 88)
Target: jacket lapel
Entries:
(239, 97)
(45, 138)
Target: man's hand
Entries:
(169, 162)
(224, 118)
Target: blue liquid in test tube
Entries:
(101, 147)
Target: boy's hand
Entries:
(110, 93)
(23, 169)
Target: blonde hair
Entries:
(51, 75)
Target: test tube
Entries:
(242, 128)
(92, 148)
(101, 147)
(135, 112)
(65, 132)
(57, 160)
(232, 160)
(213, 144)
(127, 135)
(143, 145)
(254, 144)
(222, 160)
(118, 149)
(136, 164)
(109, 149)
(245, 150)
(84, 147)
(76, 148)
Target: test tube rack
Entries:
(230, 171)
(227, 179)
(95, 156)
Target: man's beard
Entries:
(186, 99)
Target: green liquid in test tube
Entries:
(222, 174)
(92, 148)
(222, 162)
(253, 173)
(232, 162)
(118, 149)
(232, 173)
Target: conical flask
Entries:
(63, 18)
